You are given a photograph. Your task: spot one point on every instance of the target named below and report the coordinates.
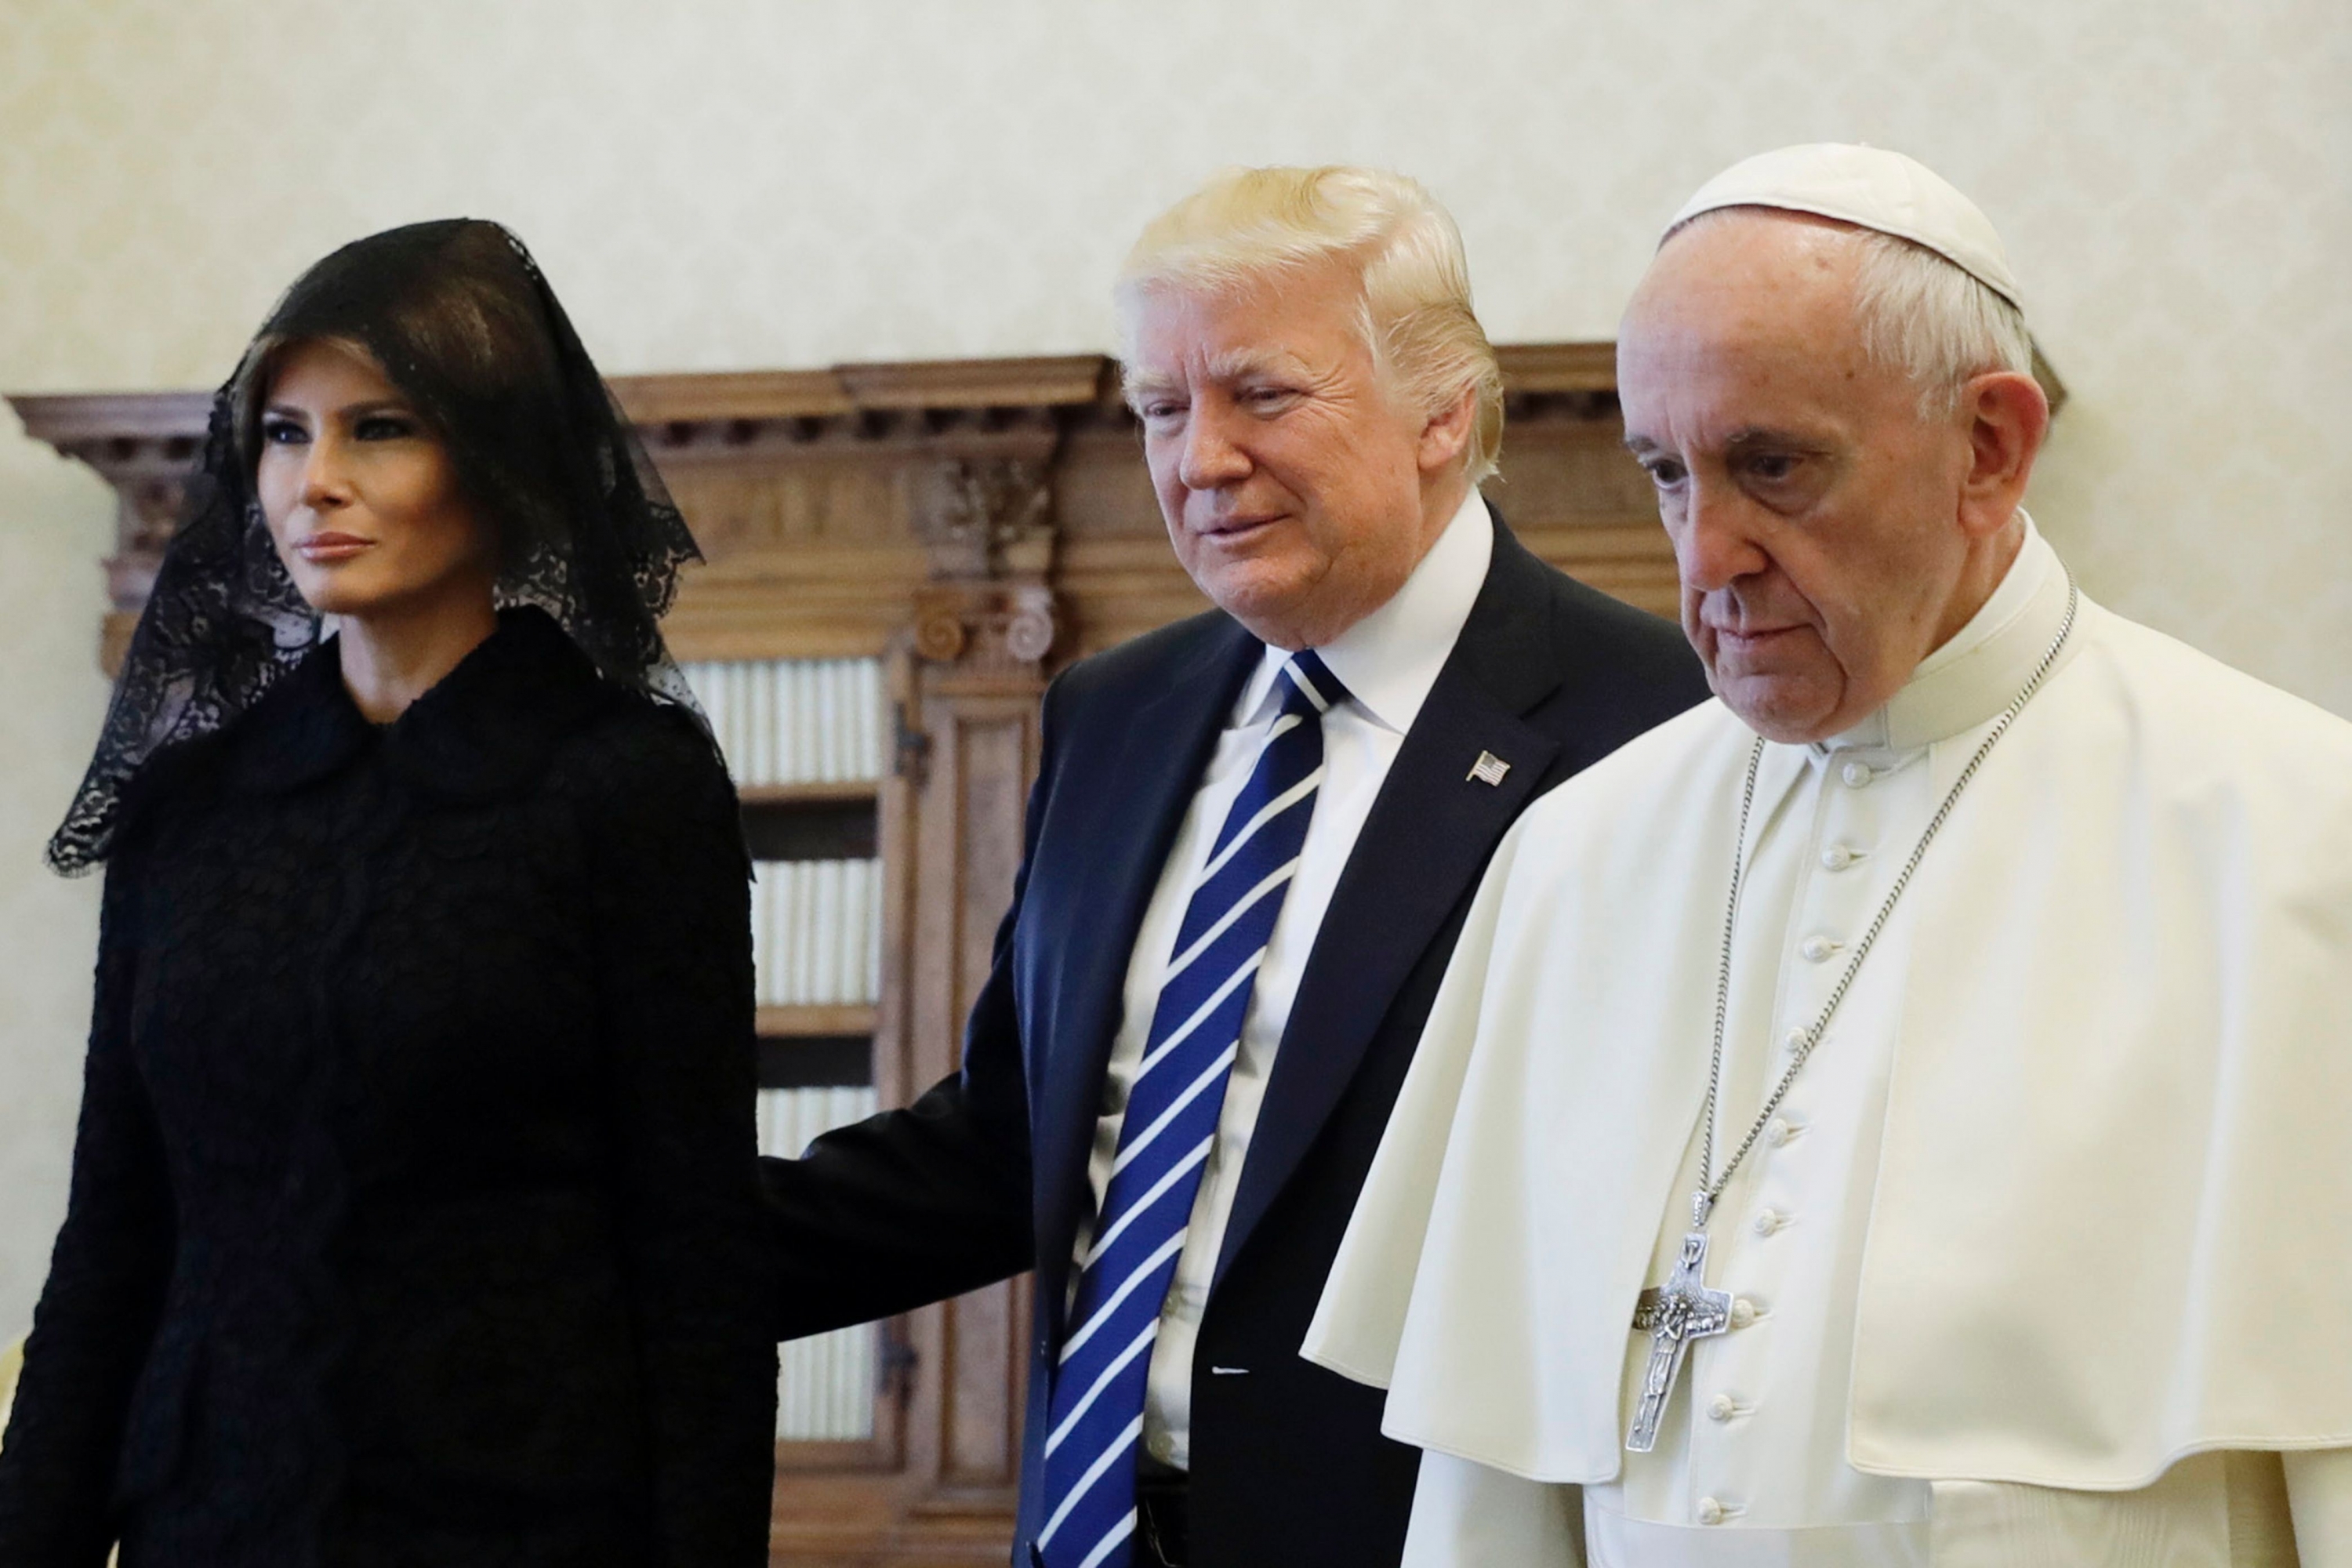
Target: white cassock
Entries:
(2047, 1257)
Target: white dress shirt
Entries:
(1387, 661)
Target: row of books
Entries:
(793, 1119)
(816, 931)
(825, 1384)
(794, 721)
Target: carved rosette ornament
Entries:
(1029, 630)
(940, 634)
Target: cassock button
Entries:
(1743, 1312)
(1793, 1041)
(1722, 1407)
(1856, 774)
(1769, 1221)
(1837, 858)
(1711, 1511)
(1817, 948)
(1780, 1132)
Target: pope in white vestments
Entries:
(2030, 1025)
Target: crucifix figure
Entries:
(1673, 1314)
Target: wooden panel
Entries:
(975, 712)
(984, 1334)
(866, 1521)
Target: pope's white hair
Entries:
(1923, 316)
(1248, 226)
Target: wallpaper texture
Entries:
(740, 184)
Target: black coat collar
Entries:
(484, 731)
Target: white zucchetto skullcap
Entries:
(1869, 187)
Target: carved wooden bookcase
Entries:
(977, 525)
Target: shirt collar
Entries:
(1980, 671)
(1390, 660)
(486, 729)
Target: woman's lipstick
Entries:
(325, 549)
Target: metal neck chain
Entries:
(1703, 1203)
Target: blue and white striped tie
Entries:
(1164, 1139)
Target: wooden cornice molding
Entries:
(732, 395)
(1533, 368)
(843, 508)
(81, 424)
(75, 422)
(920, 386)
(78, 423)
(981, 383)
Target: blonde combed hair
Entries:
(1249, 224)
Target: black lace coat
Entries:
(413, 1209)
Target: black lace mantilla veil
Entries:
(464, 325)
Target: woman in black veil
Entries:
(414, 1207)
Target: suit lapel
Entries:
(1141, 801)
(1423, 847)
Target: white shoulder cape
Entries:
(2113, 1221)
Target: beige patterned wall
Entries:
(721, 184)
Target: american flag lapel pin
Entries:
(1489, 769)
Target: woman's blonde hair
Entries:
(1248, 225)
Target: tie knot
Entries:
(1310, 687)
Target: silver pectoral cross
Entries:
(1673, 1314)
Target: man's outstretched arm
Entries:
(911, 1205)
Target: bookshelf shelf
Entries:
(812, 827)
(833, 793)
(815, 1022)
(819, 1456)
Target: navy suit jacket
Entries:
(986, 1175)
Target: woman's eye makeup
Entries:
(285, 430)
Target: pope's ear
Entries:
(2005, 417)
(1447, 435)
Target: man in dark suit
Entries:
(1251, 846)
